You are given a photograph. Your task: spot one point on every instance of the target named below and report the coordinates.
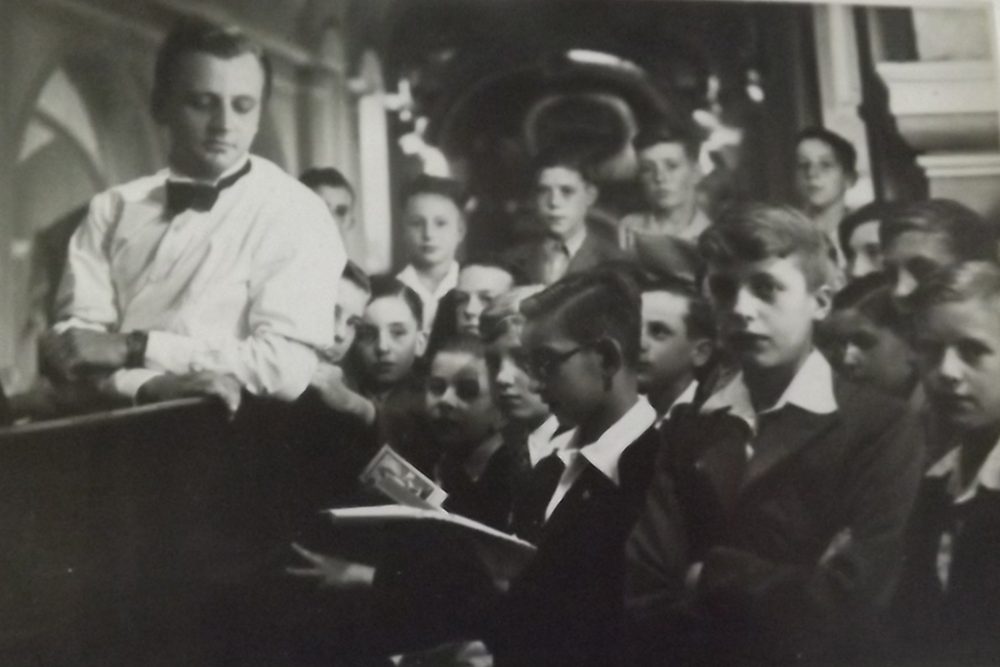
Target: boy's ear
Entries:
(823, 298)
(592, 194)
(701, 352)
(612, 358)
(421, 346)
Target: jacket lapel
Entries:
(592, 485)
(711, 448)
(585, 258)
(783, 434)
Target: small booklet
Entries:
(401, 481)
(502, 555)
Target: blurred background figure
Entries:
(335, 191)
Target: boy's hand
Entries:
(332, 572)
(204, 383)
(329, 382)
(79, 350)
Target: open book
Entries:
(417, 529)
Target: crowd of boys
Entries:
(770, 437)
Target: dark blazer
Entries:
(565, 608)
(801, 546)
(529, 257)
(5, 414)
(959, 625)
(487, 499)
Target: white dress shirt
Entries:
(646, 223)
(811, 389)
(949, 467)
(686, 397)
(604, 453)
(541, 441)
(247, 288)
(429, 299)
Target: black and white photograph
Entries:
(499, 333)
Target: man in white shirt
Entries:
(215, 274)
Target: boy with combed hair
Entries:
(433, 228)
(581, 343)
(925, 237)
(677, 342)
(669, 175)
(948, 595)
(773, 527)
(564, 193)
(866, 339)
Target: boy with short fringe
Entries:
(580, 342)
(773, 526)
(947, 603)
(676, 344)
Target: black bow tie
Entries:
(182, 195)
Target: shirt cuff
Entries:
(171, 352)
(126, 382)
(76, 323)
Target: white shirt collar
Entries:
(409, 276)
(686, 397)
(699, 223)
(950, 465)
(605, 452)
(177, 177)
(811, 389)
(540, 441)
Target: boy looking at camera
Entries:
(776, 515)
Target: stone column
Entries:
(946, 102)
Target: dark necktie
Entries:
(542, 483)
(184, 195)
(556, 260)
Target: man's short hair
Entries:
(699, 320)
(504, 315)
(843, 150)
(573, 159)
(426, 184)
(663, 133)
(968, 281)
(355, 274)
(499, 262)
(390, 286)
(459, 342)
(872, 212)
(871, 295)
(194, 35)
(591, 306)
(755, 232)
(325, 176)
(970, 236)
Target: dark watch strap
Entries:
(135, 349)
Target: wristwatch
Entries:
(135, 349)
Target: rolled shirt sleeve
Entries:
(247, 289)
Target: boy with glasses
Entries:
(581, 342)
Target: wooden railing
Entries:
(115, 528)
